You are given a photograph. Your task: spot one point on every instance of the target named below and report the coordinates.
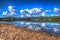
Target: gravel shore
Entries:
(11, 32)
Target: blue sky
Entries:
(23, 4)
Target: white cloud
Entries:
(22, 15)
(37, 9)
(22, 11)
(30, 11)
(10, 8)
(9, 13)
(47, 11)
(28, 15)
(5, 13)
(56, 10)
(12, 13)
(43, 14)
(27, 9)
(13, 10)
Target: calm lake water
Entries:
(53, 28)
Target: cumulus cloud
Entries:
(30, 11)
(56, 10)
(37, 9)
(43, 14)
(27, 9)
(4, 13)
(11, 10)
(22, 15)
(12, 13)
(28, 15)
(47, 11)
(22, 11)
(10, 7)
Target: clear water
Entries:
(53, 28)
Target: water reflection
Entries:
(48, 27)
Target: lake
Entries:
(53, 28)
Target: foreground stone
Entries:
(11, 32)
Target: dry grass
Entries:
(11, 32)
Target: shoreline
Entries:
(10, 32)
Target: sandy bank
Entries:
(11, 32)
